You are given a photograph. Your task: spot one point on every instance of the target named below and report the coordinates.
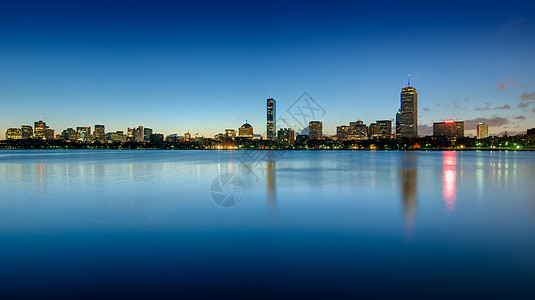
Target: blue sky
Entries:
(206, 66)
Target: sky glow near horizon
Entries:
(206, 66)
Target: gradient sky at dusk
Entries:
(204, 66)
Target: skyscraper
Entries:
(271, 126)
(315, 130)
(408, 124)
(99, 134)
(449, 128)
(482, 131)
(147, 132)
(39, 130)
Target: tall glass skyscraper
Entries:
(271, 126)
(408, 123)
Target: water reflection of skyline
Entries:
(449, 179)
(409, 187)
(271, 184)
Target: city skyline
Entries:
(179, 68)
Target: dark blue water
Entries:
(267, 224)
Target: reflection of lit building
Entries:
(315, 130)
(14, 134)
(408, 123)
(286, 135)
(449, 128)
(482, 131)
(408, 177)
(449, 161)
(271, 126)
(271, 183)
(246, 131)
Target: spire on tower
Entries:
(409, 80)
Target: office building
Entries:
(117, 136)
(14, 134)
(49, 134)
(357, 131)
(381, 129)
(147, 132)
(40, 130)
(315, 130)
(69, 134)
(286, 136)
(482, 131)
(449, 128)
(246, 131)
(99, 135)
(230, 133)
(398, 123)
(342, 132)
(408, 123)
(84, 133)
(271, 126)
(27, 132)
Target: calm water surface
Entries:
(293, 224)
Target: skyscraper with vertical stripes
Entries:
(271, 126)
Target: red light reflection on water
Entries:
(449, 161)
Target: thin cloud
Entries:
(424, 129)
(492, 122)
(479, 108)
(527, 96)
(520, 118)
(501, 86)
(511, 81)
(426, 109)
(523, 104)
(506, 106)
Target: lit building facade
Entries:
(357, 131)
(246, 131)
(315, 130)
(342, 132)
(271, 126)
(381, 129)
(449, 128)
(408, 113)
(286, 135)
(84, 133)
(482, 131)
(40, 130)
(230, 133)
(99, 135)
(69, 134)
(14, 134)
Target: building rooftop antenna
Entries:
(409, 80)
